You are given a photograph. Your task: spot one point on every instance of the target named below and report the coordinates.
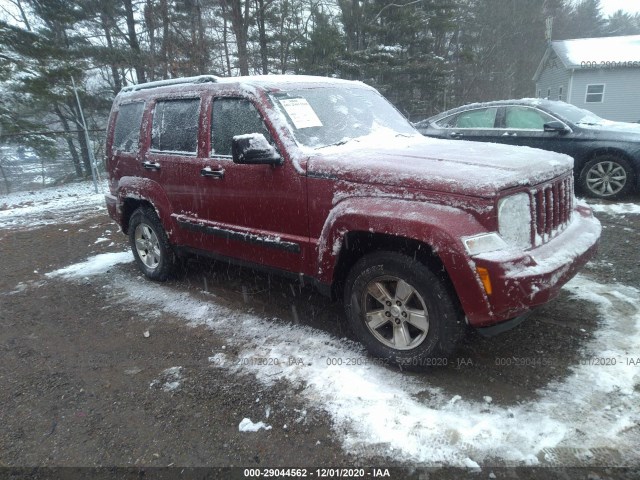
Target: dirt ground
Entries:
(80, 380)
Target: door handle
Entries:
(456, 135)
(209, 172)
(151, 165)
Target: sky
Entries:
(610, 6)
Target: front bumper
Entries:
(523, 280)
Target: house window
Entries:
(548, 94)
(560, 92)
(595, 93)
(539, 93)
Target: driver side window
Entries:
(231, 117)
(525, 118)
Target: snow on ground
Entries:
(69, 203)
(246, 425)
(97, 264)
(170, 379)
(616, 208)
(379, 411)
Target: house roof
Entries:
(595, 52)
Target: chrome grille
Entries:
(551, 207)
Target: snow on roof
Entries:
(573, 53)
(268, 82)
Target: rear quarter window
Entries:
(175, 125)
(126, 135)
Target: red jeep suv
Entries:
(324, 180)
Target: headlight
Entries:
(514, 220)
(483, 243)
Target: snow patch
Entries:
(616, 208)
(69, 203)
(170, 379)
(92, 266)
(246, 425)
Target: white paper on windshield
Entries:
(300, 112)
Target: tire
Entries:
(419, 322)
(607, 176)
(150, 245)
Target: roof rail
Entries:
(171, 81)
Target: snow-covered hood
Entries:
(468, 168)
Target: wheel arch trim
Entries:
(144, 190)
(436, 226)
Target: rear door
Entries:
(173, 146)
(477, 124)
(257, 213)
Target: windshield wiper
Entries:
(335, 144)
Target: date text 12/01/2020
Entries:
(318, 472)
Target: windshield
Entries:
(576, 115)
(320, 117)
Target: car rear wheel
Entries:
(401, 311)
(607, 176)
(150, 245)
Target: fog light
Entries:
(486, 281)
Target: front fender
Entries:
(438, 226)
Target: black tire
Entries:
(445, 321)
(154, 256)
(607, 176)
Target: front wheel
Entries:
(401, 311)
(150, 244)
(607, 176)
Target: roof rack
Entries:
(171, 81)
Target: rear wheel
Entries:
(150, 244)
(607, 176)
(401, 311)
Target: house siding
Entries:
(621, 95)
(553, 76)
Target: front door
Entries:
(524, 126)
(256, 213)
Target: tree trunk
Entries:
(225, 39)
(75, 159)
(82, 140)
(352, 13)
(262, 34)
(114, 69)
(27, 25)
(240, 25)
(203, 52)
(166, 41)
(133, 41)
(151, 28)
(4, 176)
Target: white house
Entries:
(599, 74)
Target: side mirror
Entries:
(254, 149)
(557, 127)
